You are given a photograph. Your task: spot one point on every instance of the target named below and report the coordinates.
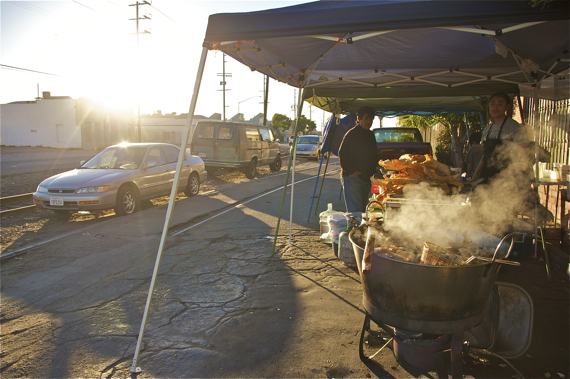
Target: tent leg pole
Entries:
(299, 109)
(134, 369)
(291, 163)
(292, 188)
(521, 109)
(322, 183)
(536, 174)
(284, 194)
(315, 189)
(320, 165)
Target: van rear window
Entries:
(225, 132)
(206, 131)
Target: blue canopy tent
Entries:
(344, 53)
(388, 50)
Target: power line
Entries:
(25, 69)
(33, 8)
(120, 6)
(83, 5)
(164, 14)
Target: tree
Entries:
(306, 125)
(280, 122)
(454, 145)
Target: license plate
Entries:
(57, 201)
(202, 155)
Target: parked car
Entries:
(223, 144)
(120, 177)
(392, 143)
(309, 147)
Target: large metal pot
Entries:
(409, 295)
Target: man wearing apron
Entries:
(495, 136)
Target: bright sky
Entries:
(88, 48)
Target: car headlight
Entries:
(42, 189)
(93, 189)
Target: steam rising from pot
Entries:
(491, 207)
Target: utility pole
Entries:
(294, 104)
(265, 98)
(223, 84)
(145, 17)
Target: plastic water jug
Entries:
(345, 249)
(324, 224)
(337, 224)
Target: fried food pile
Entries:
(413, 169)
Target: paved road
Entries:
(18, 160)
(223, 306)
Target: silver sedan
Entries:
(120, 177)
(309, 146)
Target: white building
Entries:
(168, 128)
(63, 122)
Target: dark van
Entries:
(223, 144)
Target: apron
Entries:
(490, 160)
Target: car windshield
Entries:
(393, 135)
(121, 157)
(308, 140)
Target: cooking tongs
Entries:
(382, 206)
(494, 259)
(485, 259)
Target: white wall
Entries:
(153, 128)
(36, 124)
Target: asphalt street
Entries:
(18, 160)
(223, 305)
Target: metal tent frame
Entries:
(386, 49)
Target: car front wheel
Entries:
(251, 169)
(127, 201)
(276, 165)
(193, 186)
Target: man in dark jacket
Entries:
(358, 160)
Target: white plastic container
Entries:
(324, 224)
(345, 250)
(542, 170)
(337, 224)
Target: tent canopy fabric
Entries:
(395, 49)
(389, 107)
